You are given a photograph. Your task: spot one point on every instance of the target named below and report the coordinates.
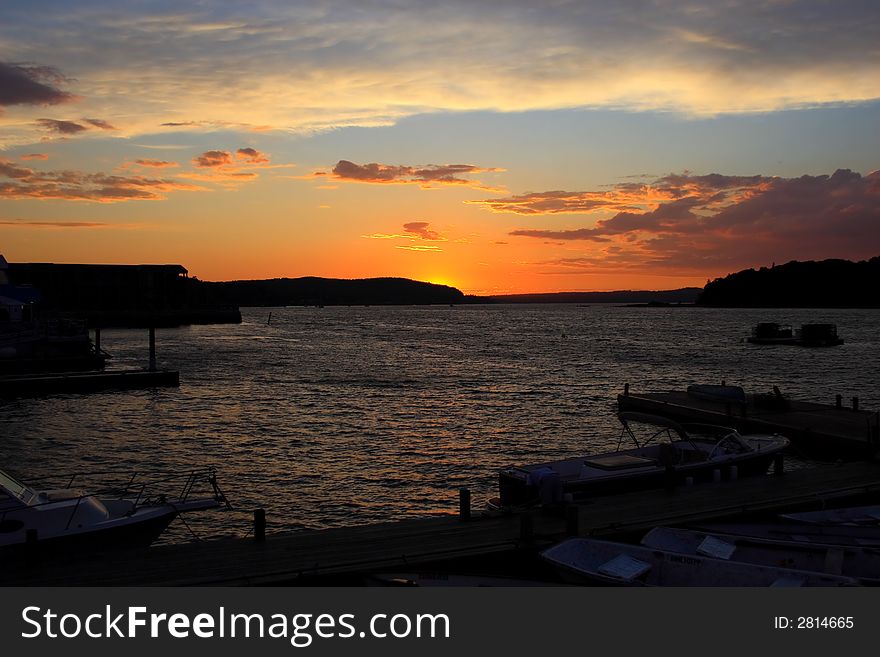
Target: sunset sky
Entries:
(516, 146)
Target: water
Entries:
(337, 416)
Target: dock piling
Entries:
(259, 525)
(626, 390)
(855, 401)
(464, 504)
(838, 401)
(778, 465)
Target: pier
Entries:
(61, 382)
(324, 556)
(824, 430)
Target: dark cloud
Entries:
(61, 127)
(100, 123)
(22, 84)
(22, 182)
(55, 224)
(252, 156)
(210, 159)
(156, 164)
(430, 175)
(733, 221)
(420, 229)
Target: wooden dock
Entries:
(37, 385)
(816, 429)
(315, 556)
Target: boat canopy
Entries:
(655, 420)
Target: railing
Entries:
(140, 488)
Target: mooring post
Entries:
(855, 403)
(97, 341)
(152, 349)
(464, 504)
(778, 465)
(572, 520)
(626, 390)
(259, 525)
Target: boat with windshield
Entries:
(128, 511)
(663, 452)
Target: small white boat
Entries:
(591, 561)
(850, 561)
(132, 515)
(858, 535)
(664, 452)
(856, 515)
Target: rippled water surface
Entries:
(346, 415)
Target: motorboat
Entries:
(664, 453)
(808, 335)
(856, 535)
(130, 514)
(593, 561)
(772, 333)
(856, 515)
(851, 561)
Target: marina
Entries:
(514, 541)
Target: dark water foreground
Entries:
(335, 416)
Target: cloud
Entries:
(61, 127)
(22, 84)
(421, 230)
(72, 127)
(23, 183)
(413, 230)
(155, 164)
(419, 247)
(252, 155)
(223, 167)
(306, 66)
(717, 221)
(35, 156)
(101, 124)
(426, 176)
(210, 159)
(55, 224)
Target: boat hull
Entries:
(514, 491)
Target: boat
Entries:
(808, 335)
(856, 515)
(819, 335)
(850, 561)
(132, 513)
(772, 333)
(664, 453)
(593, 561)
(857, 535)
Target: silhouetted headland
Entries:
(810, 284)
(315, 291)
